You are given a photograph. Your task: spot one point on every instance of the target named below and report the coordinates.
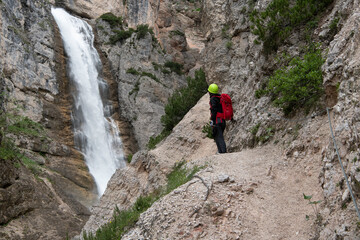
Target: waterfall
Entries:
(96, 134)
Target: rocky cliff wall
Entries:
(52, 182)
(240, 67)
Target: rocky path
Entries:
(255, 194)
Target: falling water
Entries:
(96, 134)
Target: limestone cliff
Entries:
(54, 184)
(231, 59)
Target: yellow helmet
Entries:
(213, 88)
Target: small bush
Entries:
(179, 104)
(184, 99)
(129, 158)
(334, 26)
(112, 19)
(121, 35)
(153, 141)
(274, 25)
(142, 30)
(299, 84)
(156, 66)
(135, 89)
(132, 71)
(11, 125)
(150, 75)
(255, 129)
(174, 67)
(229, 45)
(224, 31)
(179, 175)
(165, 71)
(208, 130)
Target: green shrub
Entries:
(299, 84)
(229, 45)
(224, 31)
(132, 71)
(255, 129)
(142, 30)
(153, 141)
(179, 176)
(12, 125)
(135, 89)
(334, 26)
(174, 67)
(184, 99)
(121, 35)
(150, 75)
(156, 66)
(165, 71)
(274, 25)
(129, 158)
(208, 130)
(112, 19)
(179, 104)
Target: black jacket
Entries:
(215, 107)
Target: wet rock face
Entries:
(33, 75)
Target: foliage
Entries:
(123, 220)
(174, 67)
(153, 141)
(269, 133)
(129, 158)
(255, 129)
(274, 25)
(121, 35)
(179, 175)
(334, 26)
(142, 30)
(12, 125)
(156, 66)
(179, 104)
(184, 99)
(112, 19)
(229, 45)
(299, 84)
(314, 207)
(135, 89)
(208, 130)
(150, 75)
(132, 71)
(224, 31)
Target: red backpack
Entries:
(226, 104)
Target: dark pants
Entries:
(218, 131)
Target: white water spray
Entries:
(96, 134)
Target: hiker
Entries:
(218, 117)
